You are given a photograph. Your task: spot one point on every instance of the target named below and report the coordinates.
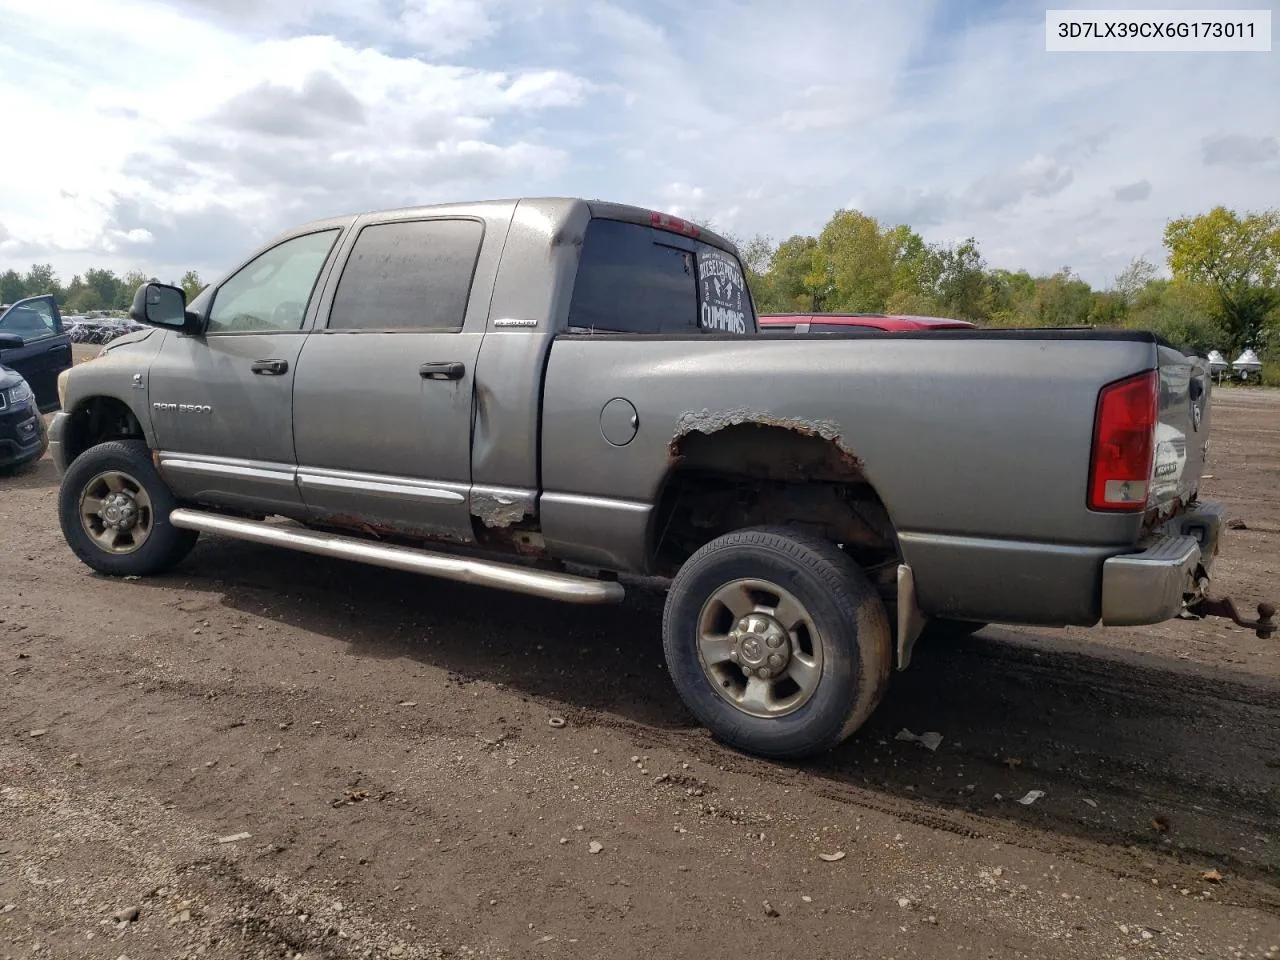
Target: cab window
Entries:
(270, 293)
(641, 280)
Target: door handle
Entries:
(447, 370)
(270, 368)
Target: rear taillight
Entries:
(664, 221)
(1123, 443)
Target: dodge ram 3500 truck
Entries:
(550, 395)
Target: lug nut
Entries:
(775, 641)
(775, 660)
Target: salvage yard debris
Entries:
(930, 740)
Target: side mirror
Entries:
(10, 341)
(161, 305)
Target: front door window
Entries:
(270, 293)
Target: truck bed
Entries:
(978, 442)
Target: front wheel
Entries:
(776, 641)
(114, 508)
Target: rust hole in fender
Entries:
(765, 446)
(742, 468)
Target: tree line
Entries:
(97, 289)
(1223, 292)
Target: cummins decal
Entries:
(724, 292)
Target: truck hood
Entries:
(123, 341)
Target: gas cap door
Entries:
(619, 422)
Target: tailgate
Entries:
(1182, 434)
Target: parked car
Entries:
(549, 395)
(33, 343)
(98, 330)
(23, 436)
(851, 324)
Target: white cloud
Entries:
(447, 27)
(178, 160)
(761, 117)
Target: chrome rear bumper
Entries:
(1172, 570)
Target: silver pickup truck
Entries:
(554, 396)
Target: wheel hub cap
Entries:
(759, 648)
(762, 647)
(119, 512)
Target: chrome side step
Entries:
(538, 583)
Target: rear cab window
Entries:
(408, 275)
(642, 280)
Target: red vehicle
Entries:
(851, 322)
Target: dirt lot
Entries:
(375, 751)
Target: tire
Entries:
(842, 648)
(139, 552)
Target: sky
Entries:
(165, 135)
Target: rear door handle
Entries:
(447, 370)
(270, 368)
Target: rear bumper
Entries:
(1156, 583)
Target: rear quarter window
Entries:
(637, 279)
(412, 275)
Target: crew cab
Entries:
(552, 396)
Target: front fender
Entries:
(120, 373)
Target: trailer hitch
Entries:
(1264, 627)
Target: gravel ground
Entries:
(272, 755)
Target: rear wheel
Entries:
(114, 508)
(776, 641)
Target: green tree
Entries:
(916, 265)
(1238, 258)
(854, 263)
(127, 288)
(1181, 312)
(912, 303)
(756, 255)
(81, 298)
(964, 288)
(1133, 279)
(1012, 298)
(12, 286)
(105, 284)
(191, 284)
(1108, 309)
(41, 279)
(792, 276)
(1062, 300)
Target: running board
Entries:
(538, 583)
